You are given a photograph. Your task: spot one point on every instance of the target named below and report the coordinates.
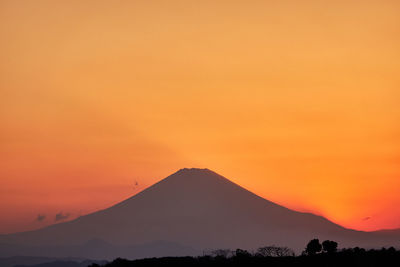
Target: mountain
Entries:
(190, 211)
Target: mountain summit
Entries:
(185, 213)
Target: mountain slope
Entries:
(200, 209)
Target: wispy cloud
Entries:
(61, 216)
(40, 217)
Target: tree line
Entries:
(314, 254)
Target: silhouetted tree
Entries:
(284, 252)
(329, 246)
(313, 247)
(392, 251)
(240, 253)
(388, 257)
(224, 253)
(273, 251)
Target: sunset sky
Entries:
(297, 101)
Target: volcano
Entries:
(188, 212)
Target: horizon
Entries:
(193, 170)
(297, 102)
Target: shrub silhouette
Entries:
(221, 253)
(313, 247)
(273, 251)
(240, 253)
(329, 246)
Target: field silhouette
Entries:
(315, 254)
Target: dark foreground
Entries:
(347, 257)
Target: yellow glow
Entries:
(297, 101)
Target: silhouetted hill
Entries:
(99, 249)
(45, 261)
(189, 211)
(26, 260)
(63, 263)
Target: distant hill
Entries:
(188, 212)
(64, 263)
(46, 261)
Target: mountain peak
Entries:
(192, 179)
(195, 174)
(194, 170)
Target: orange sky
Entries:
(297, 101)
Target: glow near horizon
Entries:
(297, 102)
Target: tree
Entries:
(273, 251)
(313, 247)
(329, 246)
(284, 252)
(240, 253)
(221, 253)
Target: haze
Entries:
(297, 101)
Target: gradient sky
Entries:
(297, 101)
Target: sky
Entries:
(297, 101)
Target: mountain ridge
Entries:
(199, 209)
(193, 171)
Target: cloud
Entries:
(41, 217)
(366, 218)
(61, 216)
